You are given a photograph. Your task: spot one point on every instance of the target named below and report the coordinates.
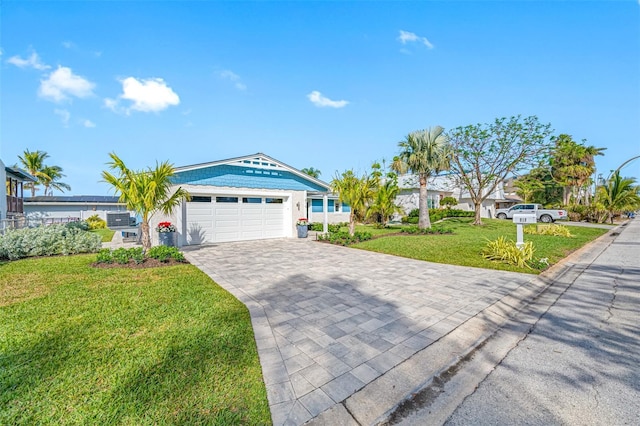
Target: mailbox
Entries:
(524, 218)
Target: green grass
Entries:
(106, 234)
(80, 345)
(464, 247)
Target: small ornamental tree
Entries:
(355, 191)
(145, 191)
(449, 202)
(483, 155)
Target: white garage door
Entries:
(234, 218)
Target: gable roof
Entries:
(258, 161)
(19, 173)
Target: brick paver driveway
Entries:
(328, 319)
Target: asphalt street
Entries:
(580, 364)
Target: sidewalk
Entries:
(416, 384)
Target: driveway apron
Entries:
(328, 320)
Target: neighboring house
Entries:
(247, 198)
(442, 186)
(511, 198)
(11, 198)
(77, 207)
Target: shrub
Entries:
(432, 230)
(164, 253)
(551, 229)
(332, 227)
(414, 213)
(344, 239)
(437, 214)
(80, 224)
(503, 250)
(104, 256)
(449, 202)
(48, 241)
(96, 222)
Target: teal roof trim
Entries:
(245, 177)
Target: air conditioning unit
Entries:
(118, 220)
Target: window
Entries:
(249, 200)
(529, 207)
(200, 199)
(226, 199)
(336, 206)
(274, 200)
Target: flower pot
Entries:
(303, 231)
(167, 239)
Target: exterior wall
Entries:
(315, 212)
(36, 211)
(408, 200)
(245, 177)
(3, 192)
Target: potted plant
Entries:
(166, 234)
(303, 227)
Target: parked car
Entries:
(542, 214)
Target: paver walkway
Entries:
(328, 320)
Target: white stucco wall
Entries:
(408, 200)
(332, 217)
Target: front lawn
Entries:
(105, 233)
(80, 345)
(464, 247)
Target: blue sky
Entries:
(331, 85)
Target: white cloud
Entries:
(33, 61)
(233, 77)
(88, 123)
(409, 37)
(68, 44)
(150, 95)
(64, 116)
(63, 83)
(318, 100)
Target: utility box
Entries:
(118, 220)
(524, 218)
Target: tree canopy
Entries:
(483, 155)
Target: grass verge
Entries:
(464, 247)
(106, 234)
(80, 345)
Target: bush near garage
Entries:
(96, 222)
(48, 241)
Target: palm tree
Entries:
(384, 200)
(33, 162)
(356, 192)
(426, 154)
(315, 173)
(527, 187)
(145, 192)
(50, 179)
(573, 165)
(619, 194)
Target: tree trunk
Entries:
(565, 195)
(352, 223)
(146, 236)
(477, 219)
(424, 221)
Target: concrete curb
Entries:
(375, 403)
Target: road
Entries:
(580, 363)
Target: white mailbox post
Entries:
(521, 219)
